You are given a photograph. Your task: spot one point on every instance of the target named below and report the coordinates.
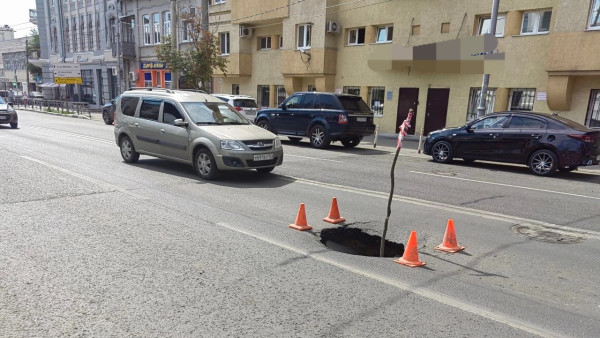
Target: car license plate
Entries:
(263, 157)
(361, 119)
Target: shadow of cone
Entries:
(334, 213)
(449, 242)
(301, 223)
(411, 256)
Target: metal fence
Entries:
(60, 106)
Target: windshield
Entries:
(213, 113)
(2, 101)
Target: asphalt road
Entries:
(91, 246)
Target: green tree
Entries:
(198, 58)
(33, 52)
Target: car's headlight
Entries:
(232, 145)
(277, 143)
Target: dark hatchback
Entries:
(544, 142)
(322, 117)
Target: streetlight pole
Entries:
(27, 63)
(174, 27)
(481, 108)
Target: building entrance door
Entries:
(437, 109)
(408, 98)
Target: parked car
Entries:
(36, 95)
(243, 103)
(8, 115)
(544, 142)
(195, 128)
(108, 111)
(322, 117)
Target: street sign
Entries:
(67, 73)
(68, 80)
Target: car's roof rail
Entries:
(167, 89)
(194, 90)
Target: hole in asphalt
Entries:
(355, 241)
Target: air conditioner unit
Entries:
(332, 27)
(114, 70)
(245, 32)
(133, 76)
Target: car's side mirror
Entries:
(11, 104)
(468, 129)
(112, 101)
(180, 123)
(282, 106)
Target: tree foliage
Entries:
(194, 60)
(33, 51)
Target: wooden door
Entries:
(408, 98)
(437, 109)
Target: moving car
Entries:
(322, 117)
(544, 142)
(108, 111)
(195, 128)
(243, 103)
(8, 115)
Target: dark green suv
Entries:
(322, 117)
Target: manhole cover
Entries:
(355, 241)
(544, 234)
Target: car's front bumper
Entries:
(232, 160)
(6, 117)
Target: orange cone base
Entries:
(408, 263)
(300, 227)
(457, 248)
(334, 220)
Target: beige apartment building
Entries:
(550, 50)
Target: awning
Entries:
(48, 85)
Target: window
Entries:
(536, 22)
(445, 27)
(82, 32)
(522, 122)
(416, 30)
(147, 79)
(280, 94)
(522, 99)
(308, 102)
(74, 31)
(376, 97)
(87, 86)
(356, 36)
(474, 95)
(351, 90)
(168, 80)
(98, 31)
(216, 2)
(167, 23)
(149, 109)
(493, 122)
(262, 95)
(235, 89)
(90, 32)
(170, 113)
(485, 25)
(128, 105)
(281, 41)
(55, 40)
(265, 42)
(186, 26)
(224, 41)
(384, 34)
(312, 88)
(293, 102)
(303, 36)
(156, 22)
(67, 42)
(326, 101)
(594, 21)
(592, 118)
(147, 35)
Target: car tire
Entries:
(264, 124)
(351, 142)
(318, 137)
(441, 152)
(568, 169)
(265, 170)
(128, 150)
(14, 125)
(294, 139)
(106, 117)
(205, 165)
(543, 162)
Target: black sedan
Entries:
(543, 142)
(108, 111)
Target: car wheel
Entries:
(14, 125)
(318, 137)
(351, 142)
(568, 169)
(543, 162)
(264, 124)
(106, 117)
(295, 139)
(442, 152)
(265, 170)
(205, 164)
(128, 150)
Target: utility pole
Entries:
(486, 77)
(174, 28)
(27, 64)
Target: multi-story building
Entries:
(14, 55)
(278, 47)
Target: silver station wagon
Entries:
(192, 127)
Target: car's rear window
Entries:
(354, 103)
(128, 105)
(244, 103)
(570, 123)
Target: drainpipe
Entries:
(486, 77)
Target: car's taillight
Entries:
(585, 138)
(238, 108)
(342, 119)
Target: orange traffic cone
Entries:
(300, 223)
(411, 256)
(449, 242)
(334, 213)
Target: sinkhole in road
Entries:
(355, 241)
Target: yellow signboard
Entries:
(67, 80)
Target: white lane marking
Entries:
(447, 207)
(508, 185)
(429, 294)
(85, 178)
(81, 136)
(313, 158)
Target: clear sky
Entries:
(15, 13)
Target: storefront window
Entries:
(87, 86)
